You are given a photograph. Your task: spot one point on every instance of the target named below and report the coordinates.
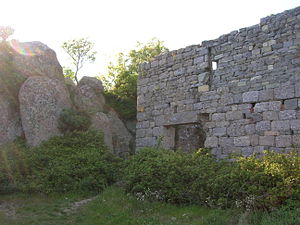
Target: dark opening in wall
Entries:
(189, 137)
(175, 109)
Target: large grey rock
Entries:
(10, 122)
(41, 101)
(88, 95)
(36, 59)
(100, 121)
(121, 137)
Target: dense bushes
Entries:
(266, 182)
(71, 120)
(75, 162)
(13, 167)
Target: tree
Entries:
(121, 81)
(5, 32)
(80, 52)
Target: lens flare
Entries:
(22, 49)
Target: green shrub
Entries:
(71, 120)
(13, 167)
(248, 182)
(77, 161)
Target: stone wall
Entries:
(242, 89)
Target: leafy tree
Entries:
(69, 73)
(80, 51)
(5, 32)
(121, 81)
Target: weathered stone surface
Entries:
(10, 121)
(41, 101)
(284, 141)
(88, 95)
(280, 125)
(121, 138)
(267, 140)
(100, 121)
(287, 115)
(252, 97)
(241, 141)
(211, 142)
(36, 59)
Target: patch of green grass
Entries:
(114, 207)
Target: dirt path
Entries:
(9, 209)
(75, 205)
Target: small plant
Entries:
(71, 120)
(5, 32)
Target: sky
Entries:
(116, 25)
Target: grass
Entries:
(114, 207)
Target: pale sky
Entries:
(116, 25)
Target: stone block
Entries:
(225, 142)
(296, 140)
(250, 128)
(235, 129)
(295, 125)
(254, 140)
(199, 60)
(280, 125)
(297, 90)
(203, 78)
(265, 95)
(203, 88)
(241, 141)
(211, 142)
(284, 141)
(251, 96)
(261, 107)
(287, 115)
(275, 106)
(219, 131)
(284, 92)
(271, 133)
(263, 126)
(270, 115)
(234, 115)
(218, 117)
(291, 104)
(267, 140)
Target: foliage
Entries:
(14, 167)
(71, 120)
(5, 32)
(68, 73)
(77, 161)
(121, 81)
(248, 182)
(80, 52)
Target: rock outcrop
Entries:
(33, 92)
(10, 121)
(88, 97)
(36, 59)
(41, 102)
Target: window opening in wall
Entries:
(244, 116)
(252, 107)
(175, 109)
(214, 65)
(282, 106)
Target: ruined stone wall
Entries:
(242, 89)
